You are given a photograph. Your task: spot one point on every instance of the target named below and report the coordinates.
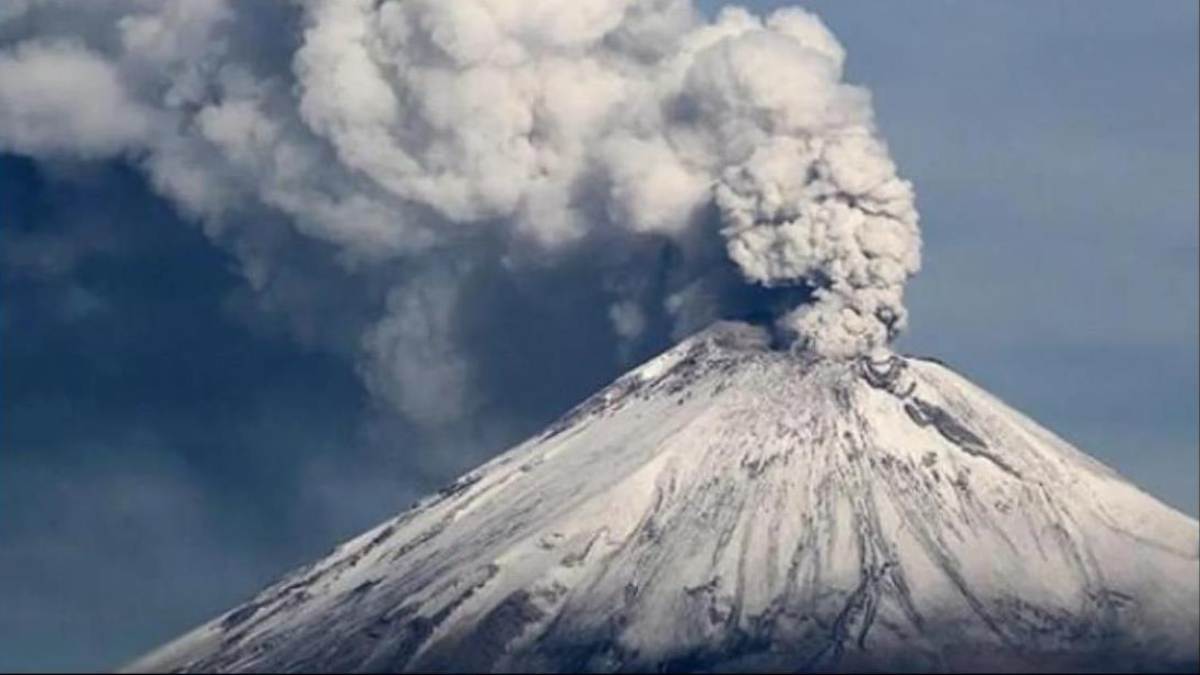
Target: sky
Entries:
(168, 445)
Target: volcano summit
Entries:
(727, 506)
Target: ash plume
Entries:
(672, 169)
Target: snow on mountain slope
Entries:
(730, 507)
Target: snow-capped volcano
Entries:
(727, 506)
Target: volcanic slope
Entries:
(727, 506)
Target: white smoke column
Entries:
(844, 224)
(399, 129)
(807, 191)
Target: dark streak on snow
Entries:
(924, 414)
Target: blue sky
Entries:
(165, 449)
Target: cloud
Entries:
(414, 360)
(59, 98)
(418, 142)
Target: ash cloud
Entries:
(656, 169)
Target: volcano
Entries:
(728, 506)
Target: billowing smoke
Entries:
(675, 169)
